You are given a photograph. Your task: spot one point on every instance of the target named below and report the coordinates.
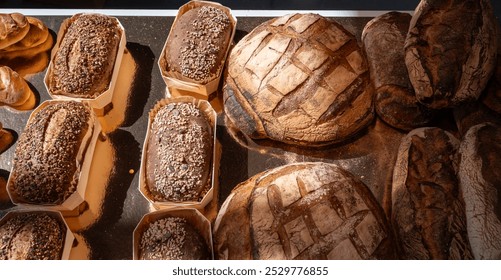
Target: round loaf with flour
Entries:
(300, 79)
(302, 211)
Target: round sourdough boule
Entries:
(396, 104)
(50, 153)
(480, 181)
(179, 153)
(32, 236)
(302, 211)
(428, 213)
(13, 28)
(172, 238)
(197, 45)
(300, 79)
(450, 51)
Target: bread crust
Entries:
(13, 28)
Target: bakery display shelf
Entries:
(104, 227)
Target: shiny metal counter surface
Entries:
(104, 229)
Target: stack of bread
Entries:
(25, 42)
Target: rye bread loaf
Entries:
(428, 213)
(300, 79)
(383, 39)
(450, 51)
(480, 181)
(32, 236)
(179, 153)
(198, 43)
(172, 238)
(50, 153)
(13, 28)
(83, 64)
(302, 211)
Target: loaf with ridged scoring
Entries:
(13, 28)
(300, 79)
(83, 64)
(50, 153)
(302, 211)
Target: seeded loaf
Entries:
(300, 79)
(428, 212)
(197, 44)
(396, 104)
(50, 153)
(172, 238)
(450, 51)
(302, 211)
(32, 236)
(83, 64)
(179, 153)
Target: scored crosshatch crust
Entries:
(301, 79)
(281, 214)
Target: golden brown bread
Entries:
(50, 153)
(37, 35)
(396, 104)
(302, 211)
(13, 28)
(197, 45)
(179, 153)
(14, 91)
(299, 79)
(32, 236)
(428, 212)
(83, 64)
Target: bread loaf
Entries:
(32, 236)
(302, 211)
(14, 91)
(6, 139)
(450, 51)
(198, 43)
(172, 238)
(13, 28)
(427, 206)
(38, 34)
(396, 104)
(179, 153)
(300, 79)
(480, 178)
(50, 153)
(83, 64)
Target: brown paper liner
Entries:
(192, 216)
(207, 110)
(78, 197)
(105, 97)
(188, 86)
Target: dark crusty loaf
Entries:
(428, 210)
(299, 79)
(172, 238)
(50, 152)
(32, 236)
(197, 45)
(480, 181)
(83, 64)
(302, 211)
(179, 153)
(450, 50)
(383, 39)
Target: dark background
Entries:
(240, 4)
